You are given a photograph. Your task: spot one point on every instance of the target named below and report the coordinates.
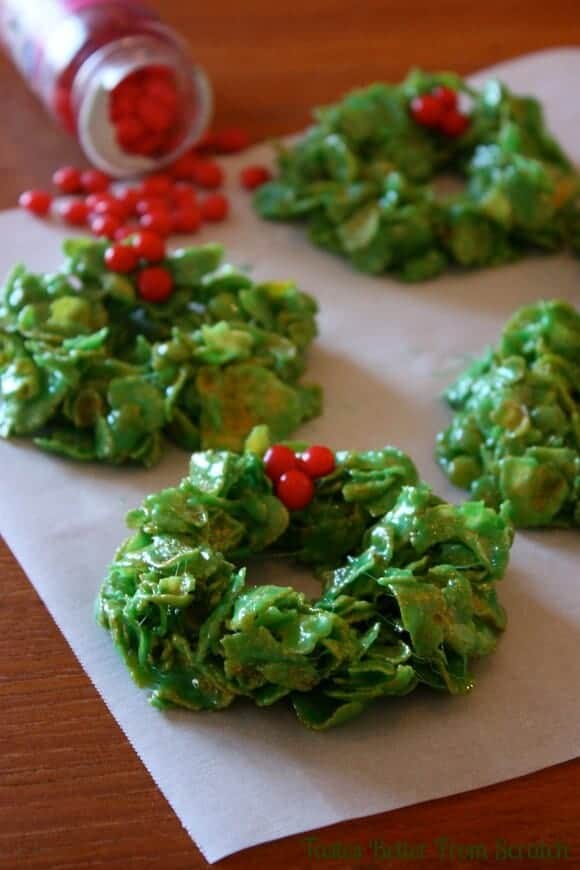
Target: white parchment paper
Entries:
(385, 352)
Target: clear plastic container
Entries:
(79, 55)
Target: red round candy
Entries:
(182, 195)
(152, 143)
(105, 226)
(447, 97)
(252, 177)
(278, 460)
(453, 123)
(121, 258)
(206, 142)
(137, 77)
(149, 246)
(156, 185)
(155, 115)
(74, 212)
(37, 202)
(155, 284)
(317, 461)
(123, 100)
(295, 490)
(130, 80)
(111, 205)
(162, 92)
(120, 107)
(158, 72)
(184, 167)
(150, 203)
(67, 180)
(93, 199)
(129, 130)
(187, 219)
(208, 174)
(426, 110)
(158, 221)
(94, 181)
(231, 141)
(215, 207)
(129, 196)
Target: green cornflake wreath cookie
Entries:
(93, 371)
(361, 178)
(515, 433)
(408, 586)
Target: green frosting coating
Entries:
(360, 179)
(93, 372)
(515, 434)
(408, 588)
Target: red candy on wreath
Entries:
(293, 475)
(438, 110)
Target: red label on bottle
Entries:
(27, 25)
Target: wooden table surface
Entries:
(73, 793)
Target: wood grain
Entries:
(72, 792)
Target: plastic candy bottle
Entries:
(112, 74)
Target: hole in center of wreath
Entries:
(446, 185)
(274, 570)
